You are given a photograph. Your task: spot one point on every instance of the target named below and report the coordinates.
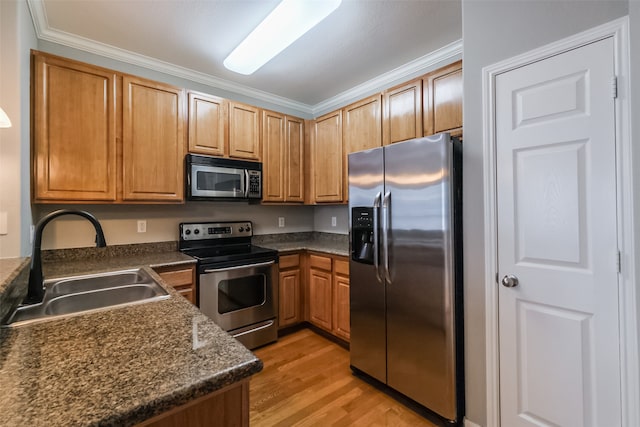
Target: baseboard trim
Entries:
(468, 423)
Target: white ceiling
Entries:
(362, 43)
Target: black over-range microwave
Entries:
(214, 178)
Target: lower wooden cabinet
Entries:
(228, 406)
(320, 284)
(314, 287)
(341, 315)
(182, 278)
(289, 306)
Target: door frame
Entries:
(630, 381)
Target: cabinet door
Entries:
(153, 141)
(341, 315)
(327, 158)
(208, 124)
(244, 131)
(273, 138)
(443, 100)
(362, 130)
(402, 113)
(320, 298)
(74, 152)
(294, 160)
(289, 298)
(183, 280)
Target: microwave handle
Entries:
(246, 183)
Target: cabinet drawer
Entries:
(323, 263)
(288, 261)
(342, 267)
(178, 277)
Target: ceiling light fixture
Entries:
(284, 25)
(4, 119)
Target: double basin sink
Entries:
(82, 294)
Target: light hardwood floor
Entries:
(306, 381)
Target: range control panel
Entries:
(215, 230)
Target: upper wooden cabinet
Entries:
(294, 160)
(362, 124)
(442, 94)
(283, 158)
(208, 124)
(402, 106)
(361, 130)
(101, 136)
(74, 128)
(244, 131)
(153, 141)
(273, 166)
(326, 158)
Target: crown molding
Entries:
(45, 32)
(413, 68)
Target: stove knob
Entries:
(248, 228)
(196, 231)
(241, 229)
(187, 232)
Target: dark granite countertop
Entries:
(119, 366)
(124, 365)
(335, 244)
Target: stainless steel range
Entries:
(237, 281)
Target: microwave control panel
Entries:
(255, 184)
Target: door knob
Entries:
(509, 281)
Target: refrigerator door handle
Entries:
(376, 236)
(386, 206)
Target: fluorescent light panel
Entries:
(287, 23)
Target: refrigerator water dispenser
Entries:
(362, 234)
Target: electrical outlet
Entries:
(281, 222)
(142, 226)
(334, 222)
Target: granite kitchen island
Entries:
(124, 366)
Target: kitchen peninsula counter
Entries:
(119, 366)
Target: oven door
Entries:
(218, 182)
(239, 296)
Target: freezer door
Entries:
(420, 294)
(368, 332)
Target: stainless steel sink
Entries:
(82, 294)
(74, 285)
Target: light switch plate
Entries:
(281, 221)
(334, 222)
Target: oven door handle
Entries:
(219, 270)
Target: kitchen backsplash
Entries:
(120, 222)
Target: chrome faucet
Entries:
(36, 287)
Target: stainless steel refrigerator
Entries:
(405, 270)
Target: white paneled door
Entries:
(557, 244)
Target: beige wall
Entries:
(120, 222)
(322, 216)
(17, 37)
